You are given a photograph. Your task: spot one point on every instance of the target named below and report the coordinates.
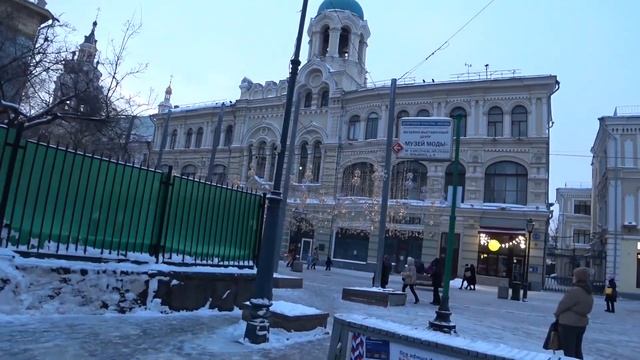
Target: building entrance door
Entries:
(305, 249)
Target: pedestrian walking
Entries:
(466, 274)
(328, 263)
(611, 295)
(315, 258)
(409, 278)
(436, 280)
(572, 313)
(386, 271)
(471, 280)
(292, 257)
(309, 259)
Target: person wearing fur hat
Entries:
(572, 313)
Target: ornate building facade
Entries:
(334, 200)
(616, 196)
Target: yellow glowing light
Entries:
(494, 245)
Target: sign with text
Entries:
(426, 138)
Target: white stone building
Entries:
(340, 147)
(616, 196)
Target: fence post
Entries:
(13, 156)
(161, 212)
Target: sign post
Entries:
(442, 321)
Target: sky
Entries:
(208, 46)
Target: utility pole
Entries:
(163, 142)
(287, 180)
(257, 330)
(442, 321)
(382, 223)
(216, 143)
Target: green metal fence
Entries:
(62, 201)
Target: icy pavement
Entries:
(145, 335)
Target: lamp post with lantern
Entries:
(530, 226)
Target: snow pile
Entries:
(291, 309)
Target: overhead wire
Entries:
(446, 42)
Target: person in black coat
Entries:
(471, 281)
(328, 263)
(436, 280)
(611, 296)
(386, 271)
(465, 276)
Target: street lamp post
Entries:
(530, 226)
(257, 329)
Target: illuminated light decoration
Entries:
(494, 245)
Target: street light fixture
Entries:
(530, 226)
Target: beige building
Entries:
(574, 244)
(340, 150)
(616, 196)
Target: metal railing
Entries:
(60, 201)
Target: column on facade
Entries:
(207, 135)
(507, 124)
(354, 39)
(267, 168)
(296, 162)
(245, 164)
(316, 43)
(545, 111)
(534, 127)
(159, 134)
(482, 119)
(334, 38)
(181, 135)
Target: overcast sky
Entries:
(210, 45)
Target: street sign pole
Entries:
(442, 321)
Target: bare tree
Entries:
(80, 102)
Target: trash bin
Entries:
(515, 290)
(503, 292)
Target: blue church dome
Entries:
(347, 5)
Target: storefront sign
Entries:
(364, 347)
(425, 138)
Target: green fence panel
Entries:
(211, 223)
(67, 201)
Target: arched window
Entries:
(261, 159)
(199, 135)
(317, 161)
(519, 121)
(505, 182)
(423, 113)
(219, 174)
(462, 113)
(354, 124)
(325, 42)
(400, 115)
(343, 45)
(307, 99)
(173, 140)
(494, 127)
(324, 98)
(228, 135)
(372, 126)
(304, 160)
(189, 171)
(357, 180)
(408, 180)
(274, 159)
(187, 139)
(448, 180)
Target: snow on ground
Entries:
(149, 334)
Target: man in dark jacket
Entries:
(386, 270)
(611, 295)
(436, 280)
